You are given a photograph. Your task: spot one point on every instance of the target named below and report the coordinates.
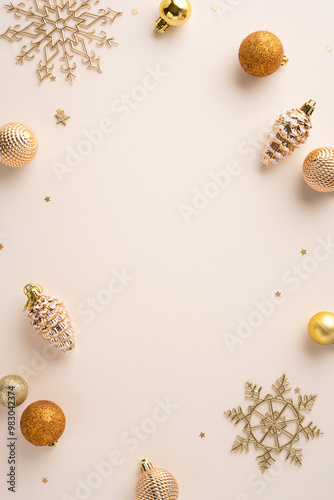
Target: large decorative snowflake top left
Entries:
(60, 28)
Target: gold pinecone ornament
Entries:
(155, 484)
(318, 169)
(50, 318)
(18, 144)
(289, 131)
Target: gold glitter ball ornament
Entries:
(261, 53)
(18, 144)
(13, 390)
(155, 484)
(318, 169)
(321, 328)
(172, 13)
(42, 423)
(50, 318)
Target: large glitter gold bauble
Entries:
(13, 390)
(321, 328)
(155, 484)
(318, 169)
(261, 53)
(50, 318)
(172, 13)
(290, 130)
(18, 144)
(42, 423)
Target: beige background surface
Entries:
(162, 336)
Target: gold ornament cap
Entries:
(13, 390)
(308, 107)
(172, 13)
(18, 144)
(261, 53)
(321, 328)
(155, 484)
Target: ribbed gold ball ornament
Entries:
(261, 53)
(155, 484)
(172, 13)
(18, 144)
(318, 169)
(42, 423)
(13, 390)
(321, 328)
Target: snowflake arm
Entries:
(281, 385)
(235, 415)
(240, 444)
(294, 456)
(265, 461)
(306, 402)
(252, 392)
(311, 431)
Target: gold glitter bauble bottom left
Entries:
(13, 390)
(42, 423)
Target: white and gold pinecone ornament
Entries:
(155, 484)
(289, 131)
(50, 318)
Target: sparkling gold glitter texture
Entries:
(18, 144)
(321, 328)
(155, 484)
(50, 318)
(261, 53)
(274, 423)
(17, 385)
(42, 423)
(318, 169)
(289, 131)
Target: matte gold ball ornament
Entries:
(18, 144)
(172, 13)
(318, 169)
(13, 390)
(43, 423)
(261, 53)
(321, 328)
(155, 484)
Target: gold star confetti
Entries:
(329, 48)
(303, 252)
(45, 480)
(53, 78)
(214, 8)
(274, 423)
(61, 117)
(278, 294)
(297, 390)
(47, 199)
(134, 12)
(202, 435)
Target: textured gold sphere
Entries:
(175, 12)
(261, 53)
(318, 169)
(156, 484)
(18, 144)
(42, 423)
(321, 328)
(15, 384)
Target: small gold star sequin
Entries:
(278, 294)
(53, 78)
(61, 117)
(214, 8)
(134, 12)
(303, 252)
(202, 435)
(47, 199)
(329, 48)
(1, 246)
(297, 390)
(45, 480)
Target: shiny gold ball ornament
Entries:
(18, 144)
(13, 390)
(321, 328)
(50, 318)
(155, 484)
(290, 130)
(261, 53)
(318, 169)
(42, 423)
(172, 13)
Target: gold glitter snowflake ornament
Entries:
(60, 29)
(273, 423)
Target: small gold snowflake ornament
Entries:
(273, 423)
(59, 29)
